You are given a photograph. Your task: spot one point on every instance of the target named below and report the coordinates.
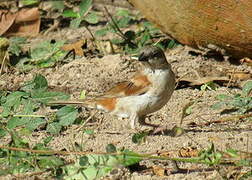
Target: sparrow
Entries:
(146, 92)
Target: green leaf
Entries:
(45, 96)
(247, 88)
(59, 5)
(89, 131)
(47, 140)
(45, 54)
(130, 158)
(53, 128)
(92, 18)
(47, 50)
(110, 148)
(222, 97)
(49, 162)
(67, 115)
(123, 22)
(139, 137)
(144, 39)
(34, 123)
(29, 2)
(75, 23)
(15, 45)
(13, 102)
(3, 132)
(24, 64)
(40, 82)
(83, 161)
(218, 105)
(172, 44)
(117, 41)
(70, 13)
(232, 152)
(122, 12)
(188, 110)
(19, 142)
(101, 32)
(14, 98)
(16, 121)
(209, 86)
(85, 6)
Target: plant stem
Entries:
(29, 115)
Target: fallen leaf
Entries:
(4, 55)
(25, 22)
(76, 47)
(239, 75)
(6, 20)
(107, 47)
(158, 170)
(246, 60)
(188, 152)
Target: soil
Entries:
(96, 75)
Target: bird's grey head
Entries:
(154, 56)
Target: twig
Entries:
(29, 115)
(144, 156)
(3, 62)
(25, 175)
(117, 29)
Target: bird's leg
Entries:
(142, 121)
(133, 119)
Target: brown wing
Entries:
(139, 84)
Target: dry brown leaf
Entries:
(188, 152)
(158, 170)
(6, 20)
(76, 47)
(25, 22)
(246, 60)
(168, 154)
(239, 75)
(4, 55)
(106, 47)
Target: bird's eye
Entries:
(143, 57)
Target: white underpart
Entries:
(133, 107)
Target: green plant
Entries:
(210, 156)
(45, 54)
(82, 14)
(18, 162)
(94, 166)
(29, 2)
(132, 41)
(140, 137)
(240, 102)
(20, 108)
(15, 45)
(208, 86)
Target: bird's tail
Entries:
(105, 104)
(87, 103)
